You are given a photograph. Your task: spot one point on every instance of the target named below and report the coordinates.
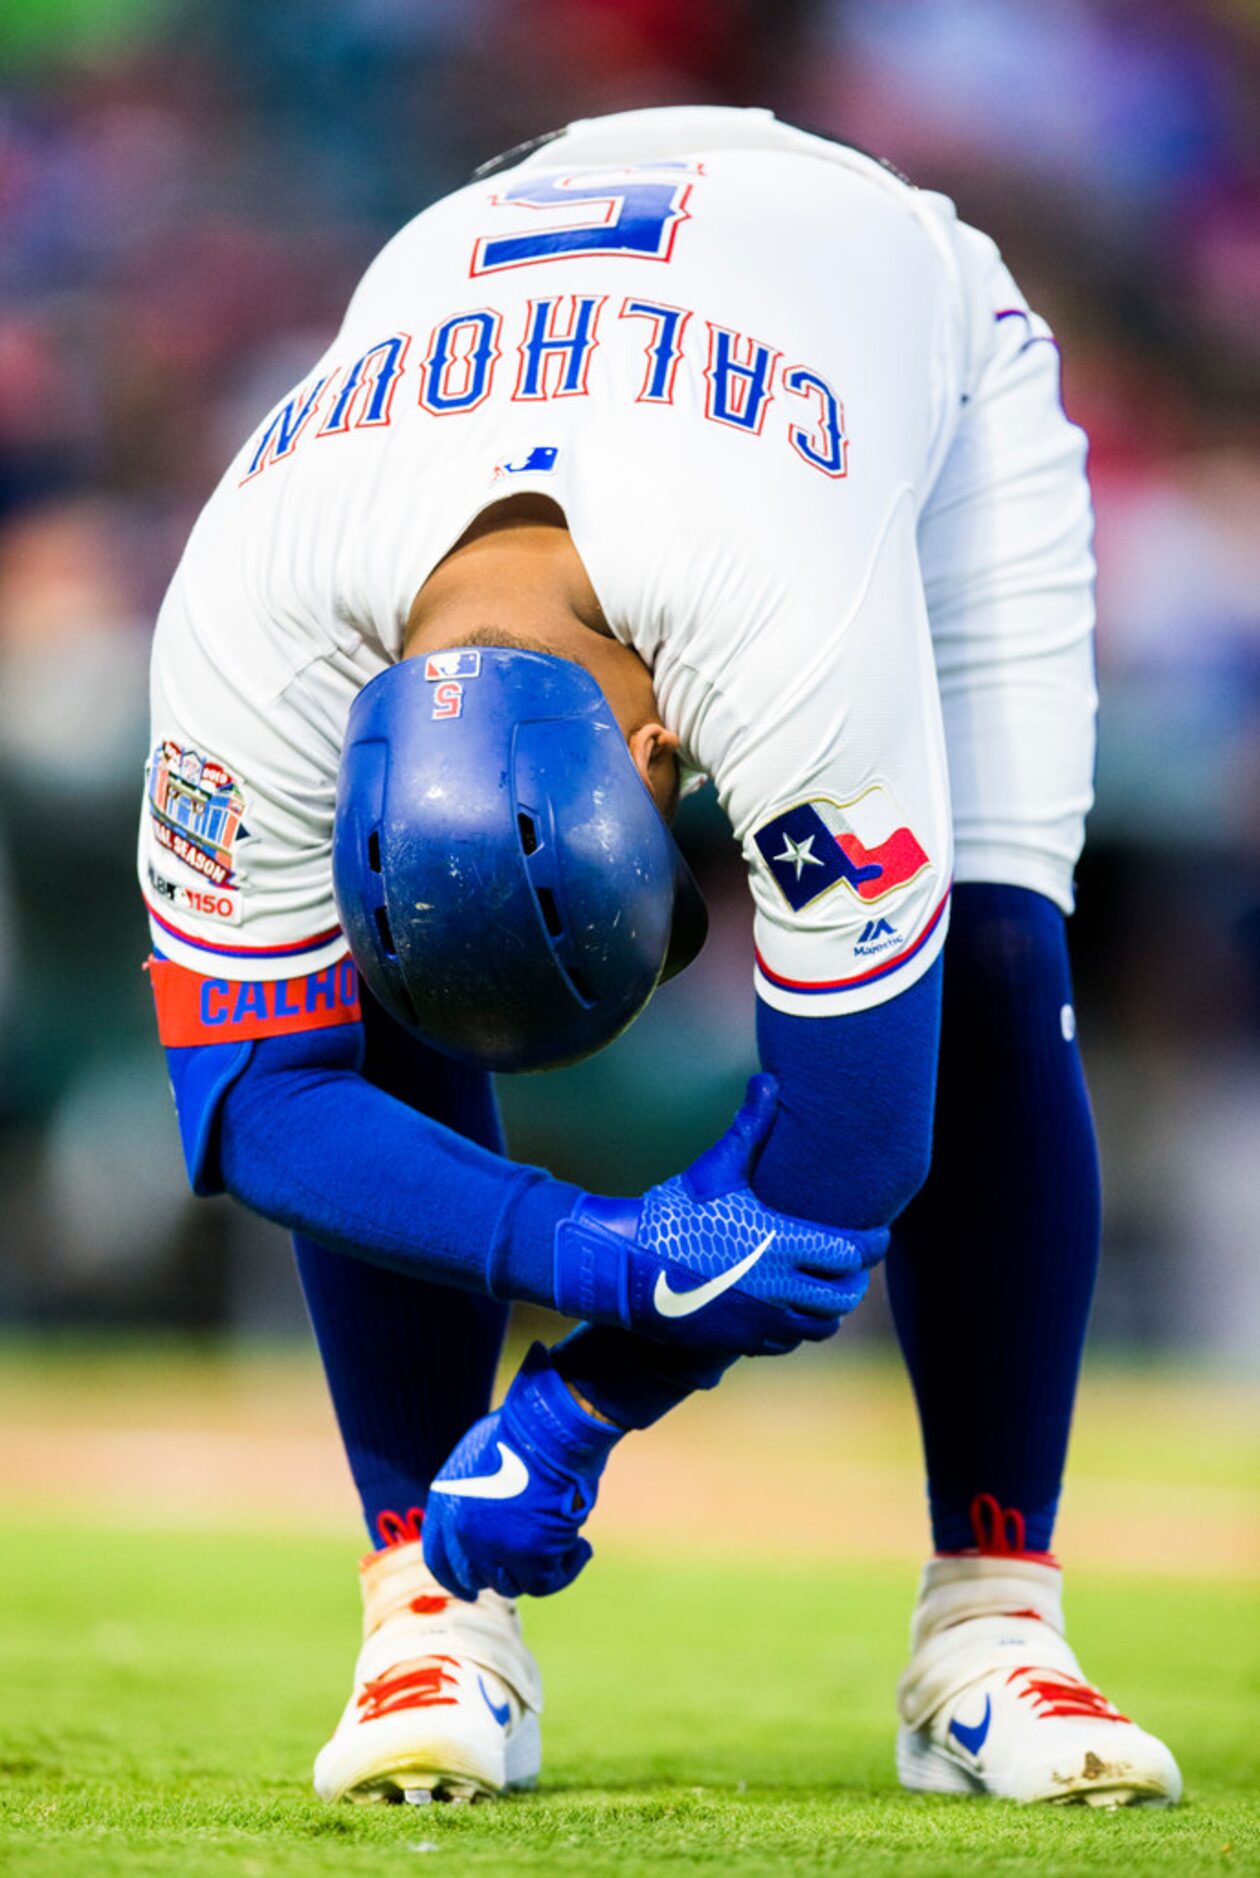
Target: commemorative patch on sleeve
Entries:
(197, 810)
(864, 845)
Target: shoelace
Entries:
(1056, 1696)
(418, 1687)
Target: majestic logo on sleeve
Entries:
(197, 809)
(864, 845)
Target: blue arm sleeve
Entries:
(850, 1146)
(853, 1137)
(298, 1134)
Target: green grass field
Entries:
(163, 1692)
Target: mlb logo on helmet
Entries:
(865, 845)
(440, 665)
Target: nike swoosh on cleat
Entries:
(973, 1738)
(511, 1479)
(670, 1303)
(502, 1712)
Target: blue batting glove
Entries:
(700, 1261)
(505, 1512)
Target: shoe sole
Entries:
(446, 1771)
(922, 1767)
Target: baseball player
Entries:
(683, 442)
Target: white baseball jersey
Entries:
(807, 440)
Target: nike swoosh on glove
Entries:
(505, 1512)
(700, 1261)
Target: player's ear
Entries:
(654, 750)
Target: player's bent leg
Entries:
(446, 1696)
(994, 1701)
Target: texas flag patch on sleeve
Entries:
(865, 846)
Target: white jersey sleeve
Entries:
(848, 835)
(241, 777)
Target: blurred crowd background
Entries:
(188, 193)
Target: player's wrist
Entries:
(593, 1248)
(521, 1262)
(589, 1408)
(546, 1415)
(630, 1380)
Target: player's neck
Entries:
(516, 577)
(514, 569)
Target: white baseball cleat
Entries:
(446, 1696)
(994, 1701)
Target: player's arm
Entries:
(849, 1146)
(851, 1138)
(282, 1117)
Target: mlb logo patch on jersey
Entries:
(540, 459)
(865, 845)
(441, 665)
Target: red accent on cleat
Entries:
(415, 1688)
(1055, 1696)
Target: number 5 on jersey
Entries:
(633, 212)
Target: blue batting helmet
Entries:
(509, 889)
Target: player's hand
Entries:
(699, 1260)
(506, 1510)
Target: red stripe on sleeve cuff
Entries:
(810, 986)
